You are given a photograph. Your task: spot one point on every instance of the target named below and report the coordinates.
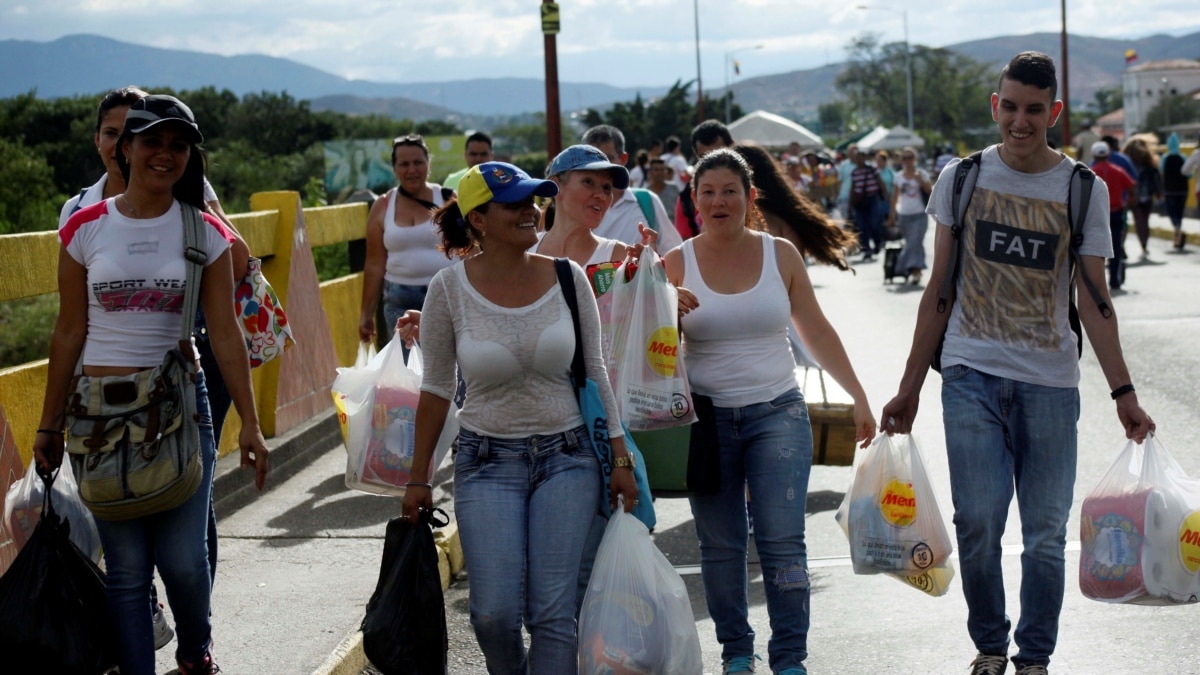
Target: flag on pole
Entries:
(1130, 55)
(737, 68)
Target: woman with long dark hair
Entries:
(739, 289)
(122, 267)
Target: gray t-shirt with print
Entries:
(1010, 313)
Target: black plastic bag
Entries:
(52, 614)
(404, 631)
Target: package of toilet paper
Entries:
(1140, 531)
(892, 518)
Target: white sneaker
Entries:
(162, 629)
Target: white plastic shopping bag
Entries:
(651, 386)
(23, 508)
(636, 616)
(1139, 530)
(891, 516)
(381, 422)
(353, 382)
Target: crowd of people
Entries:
(468, 268)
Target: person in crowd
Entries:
(110, 121)
(908, 211)
(478, 150)
(629, 208)
(1116, 156)
(162, 166)
(866, 193)
(1147, 191)
(1190, 168)
(655, 149)
(1120, 196)
(888, 176)
(799, 180)
(706, 137)
(1175, 187)
(845, 169)
(1010, 392)
(673, 156)
(402, 242)
(945, 157)
(657, 183)
(527, 481)
(740, 288)
(639, 175)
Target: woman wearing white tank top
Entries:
(739, 289)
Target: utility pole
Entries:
(1066, 82)
(699, 86)
(550, 27)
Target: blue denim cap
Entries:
(499, 182)
(588, 158)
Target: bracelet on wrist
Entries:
(1121, 391)
(52, 432)
(427, 486)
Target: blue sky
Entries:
(619, 42)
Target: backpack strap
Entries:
(566, 280)
(1079, 198)
(193, 236)
(646, 202)
(965, 176)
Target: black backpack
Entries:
(1079, 196)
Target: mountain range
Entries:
(88, 64)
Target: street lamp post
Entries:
(728, 67)
(907, 57)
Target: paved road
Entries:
(298, 563)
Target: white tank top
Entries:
(736, 347)
(412, 252)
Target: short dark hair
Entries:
(709, 132)
(672, 144)
(1112, 142)
(125, 96)
(1031, 68)
(605, 133)
(479, 137)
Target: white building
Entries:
(1144, 86)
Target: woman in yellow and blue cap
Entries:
(527, 480)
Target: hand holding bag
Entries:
(404, 630)
(27, 497)
(135, 439)
(595, 417)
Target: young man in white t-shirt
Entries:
(1010, 370)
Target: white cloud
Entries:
(649, 42)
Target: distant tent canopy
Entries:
(882, 138)
(772, 131)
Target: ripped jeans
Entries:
(767, 447)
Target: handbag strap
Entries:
(566, 280)
(196, 258)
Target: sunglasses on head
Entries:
(410, 139)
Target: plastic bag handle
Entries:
(431, 518)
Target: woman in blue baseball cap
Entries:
(526, 477)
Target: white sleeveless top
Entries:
(736, 345)
(412, 252)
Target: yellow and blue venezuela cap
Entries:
(499, 182)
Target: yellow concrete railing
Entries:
(289, 390)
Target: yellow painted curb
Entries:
(348, 658)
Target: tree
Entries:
(950, 91)
(1109, 99)
(29, 201)
(674, 114)
(1172, 110)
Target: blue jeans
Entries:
(398, 299)
(768, 447)
(1116, 264)
(175, 541)
(524, 507)
(1003, 435)
(869, 224)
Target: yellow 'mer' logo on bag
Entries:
(1189, 542)
(662, 349)
(898, 503)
